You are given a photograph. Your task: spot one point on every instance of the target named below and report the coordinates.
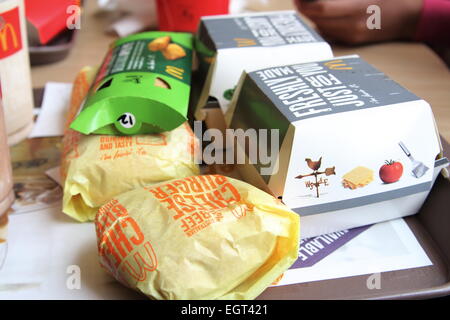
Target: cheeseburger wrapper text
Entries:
(200, 237)
(95, 168)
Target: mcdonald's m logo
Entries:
(337, 65)
(10, 35)
(175, 72)
(245, 42)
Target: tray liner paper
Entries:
(95, 168)
(200, 237)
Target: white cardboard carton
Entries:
(228, 44)
(338, 121)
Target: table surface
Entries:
(413, 65)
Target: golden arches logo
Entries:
(175, 72)
(144, 261)
(244, 42)
(4, 37)
(337, 65)
(241, 209)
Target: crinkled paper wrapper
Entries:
(95, 168)
(202, 237)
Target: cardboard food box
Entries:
(228, 44)
(352, 146)
(142, 86)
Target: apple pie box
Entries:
(347, 146)
(228, 44)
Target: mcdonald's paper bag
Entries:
(15, 91)
(200, 237)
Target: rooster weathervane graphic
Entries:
(315, 166)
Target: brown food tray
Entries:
(430, 226)
(55, 51)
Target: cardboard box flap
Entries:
(343, 84)
(263, 29)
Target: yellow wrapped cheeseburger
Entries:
(95, 168)
(200, 237)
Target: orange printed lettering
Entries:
(111, 250)
(159, 193)
(220, 179)
(194, 184)
(139, 238)
(206, 201)
(180, 201)
(182, 186)
(119, 210)
(119, 238)
(211, 181)
(172, 206)
(236, 196)
(217, 198)
(171, 189)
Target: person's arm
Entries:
(434, 22)
(346, 20)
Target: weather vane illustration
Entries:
(315, 166)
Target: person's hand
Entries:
(345, 21)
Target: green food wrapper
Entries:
(142, 86)
(95, 167)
